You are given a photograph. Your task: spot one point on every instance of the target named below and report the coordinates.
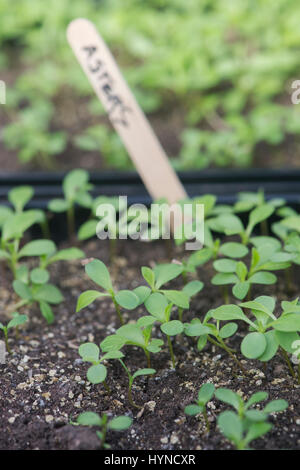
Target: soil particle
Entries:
(44, 386)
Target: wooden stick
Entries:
(124, 112)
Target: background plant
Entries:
(89, 418)
(246, 423)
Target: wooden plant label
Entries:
(124, 112)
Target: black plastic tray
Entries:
(225, 184)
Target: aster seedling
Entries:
(19, 197)
(13, 228)
(160, 311)
(76, 188)
(267, 332)
(251, 200)
(231, 224)
(132, 377)
(137, 334)
(15, 322)
(247, 423)
(266, 257)
(33, 287)
(99, 274)
(160, 275)
(97, 372)
(205, 394)
(112, 219)
(207, 331)
(89, 418)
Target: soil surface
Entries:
(43, 384)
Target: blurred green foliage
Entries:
(224, 67)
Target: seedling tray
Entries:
(225, 185)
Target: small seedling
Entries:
(98, 273)
(296, 355)
(138, 334)
(75, 188)
(207, 331)
(105, 212)
(131, 378)
(248, 201)
(12, 230)
(97, 373)
(89, 418)
(160, 310)
(205, 394)
(268, 332)
(15, 322)
(248, 423)
(266, 257)
(231, 224)
(34, 287)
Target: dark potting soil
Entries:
(43, 384)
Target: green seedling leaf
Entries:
(39, 276)
(112, 343)
(229, 312)
(221, 279)
(254, 345)
(17, 320)
(140, 372)
(20, 196)
(228, 330)
(155, 345)
(205, 393)
(256, 398)
(193, 410)
(87, 297)
(98, 272)
(22, 290)
(67, 255)
(289, 322)
(259, 214)
(193, 287)
(48, 293)
(165, 273)
(143, 293)
(156, 304)
(132, 333)
(234, 250)
(120, 423)
(196, 329)
(127, 299)
(286, 339)
(231, 426)
(179, 298)
(172, 328)
(275, 406)
(46, 311)
(241, 289)
(38, 248)
(16, 225)
(112, 355)
(149, 276)
(263, 278)
(89, 418)
(58, 205)
(257, 430)
(225, 265)
(271, 348)
(89, 352)
(88, 229)
(229, 397)
(96, 374)
(256, 415)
